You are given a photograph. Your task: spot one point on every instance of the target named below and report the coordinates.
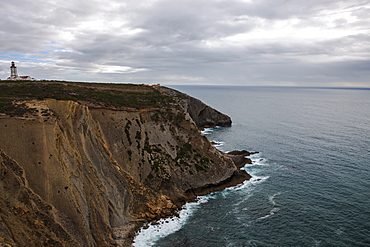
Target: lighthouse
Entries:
(14, 75)
(13, 71)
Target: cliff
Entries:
(203, 115)
(85, 164)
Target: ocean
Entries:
(310, 182)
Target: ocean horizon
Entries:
(310, 179)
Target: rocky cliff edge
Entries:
(81, 173)
(203, 115)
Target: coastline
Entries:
(126, 235)
(106, 169)
(239, 157)
(283, 180)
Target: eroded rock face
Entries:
(80, 174)
(26, 218)
(203, 115)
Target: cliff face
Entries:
(26, 218)
(79, 175)
(203, 115)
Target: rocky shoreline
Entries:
(239, 157)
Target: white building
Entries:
(14, 74)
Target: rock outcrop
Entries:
(78, 174)
(239, 157)
(203, 115)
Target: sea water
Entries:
(310, 182)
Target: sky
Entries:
(189, 42)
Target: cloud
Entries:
(243, 42)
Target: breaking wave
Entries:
(153, 232)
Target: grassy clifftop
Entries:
(99, 94)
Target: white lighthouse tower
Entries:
(13, 71)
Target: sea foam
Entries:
(272, 212)
(148, 237)
(207, 131)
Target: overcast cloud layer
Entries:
(230, 42)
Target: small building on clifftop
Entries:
(14, 74)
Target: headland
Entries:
(86, 164)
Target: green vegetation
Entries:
(138, 135)
(199, 168)
(174, 92)
(127, 127)
(186, 154)
(204, 160)
(99, 94)
(156, 166)
(148, 149)
(187, 147)
(11, 109)
(137, 122)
